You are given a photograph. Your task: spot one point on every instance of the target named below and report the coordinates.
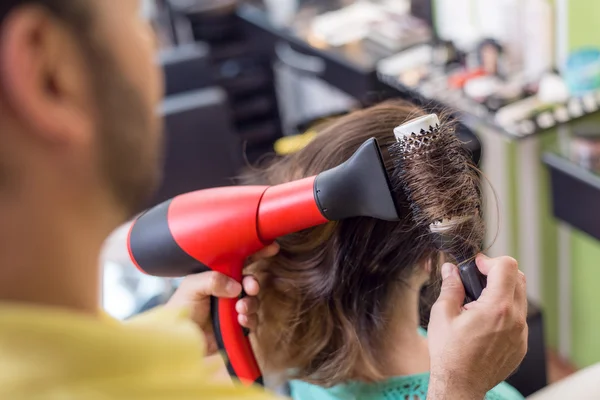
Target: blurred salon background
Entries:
(247, 80)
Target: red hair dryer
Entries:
(217, 229)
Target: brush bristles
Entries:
(419, 142)
(441, 186)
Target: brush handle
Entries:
(473, 281)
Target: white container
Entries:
(537, 38)
(454, 22)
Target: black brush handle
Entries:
(473, 280)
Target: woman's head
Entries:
(330, 297)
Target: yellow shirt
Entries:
(50, 354)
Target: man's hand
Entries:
(473, 348)
(195, 292)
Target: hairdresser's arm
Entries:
(474, 348)
(195, 292)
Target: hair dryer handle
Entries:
(233, 342)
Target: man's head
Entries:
(78, 93)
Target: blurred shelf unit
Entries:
(352, 69)
(242, 69)
(523, 118)
(349, 68)
(575, 194)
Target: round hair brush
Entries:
(441, 189)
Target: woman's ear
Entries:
(431, 264)
(428, 266)
(425, 274)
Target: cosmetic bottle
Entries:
(585, 147)
(537, 38)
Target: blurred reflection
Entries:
(282, 12)
(126, 291)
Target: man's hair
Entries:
(72, 12)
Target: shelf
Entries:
(552, 116)
(575, 194)
(350, 69)
(186, 68)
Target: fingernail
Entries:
(447, 269)
(233, 287)
(483, 256)
(241, 308)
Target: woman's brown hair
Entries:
(327, 299)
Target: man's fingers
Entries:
(266, 252)
(248, 321)
(501, 274)
(247, 306)
(251, 286)
(484, 263)
(521, 294)
(452, 294)
(504, 277)
(524, 342)
(210, 283)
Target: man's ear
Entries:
(43, 76)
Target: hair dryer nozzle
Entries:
(360, 187)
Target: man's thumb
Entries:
(452, 294)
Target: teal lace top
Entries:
(409, 387)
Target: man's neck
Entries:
(48, 255)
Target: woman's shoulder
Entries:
(400, 387)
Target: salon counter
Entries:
(350, 68)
